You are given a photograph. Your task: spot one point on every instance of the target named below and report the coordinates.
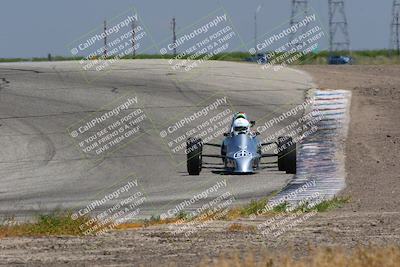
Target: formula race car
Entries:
(241, 150)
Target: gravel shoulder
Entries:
(372, 217)
(373, 145)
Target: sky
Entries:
(35, 28)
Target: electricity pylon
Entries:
(338, 33)
(395, 28)
(299, 12)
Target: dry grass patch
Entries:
(388, 256)
(45, 225)
(238, 227)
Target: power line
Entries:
(133, 39)
(299, 12)
(105, 39)
(338, 29)
(395, 27)
(255, 26)
(174, 35)
(255, 31)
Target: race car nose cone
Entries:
(244, 165)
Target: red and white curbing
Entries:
(320, 155)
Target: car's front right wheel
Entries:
(194, 150)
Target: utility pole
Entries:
(255, 32)
(133, 40)
(174, 35)
(299, 12)
(255, 27)
(395, 27)
(105, 39)
(338, 33)
(397, 35)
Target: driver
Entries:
(241, 126)
(238, 115)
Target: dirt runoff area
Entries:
(372, 217)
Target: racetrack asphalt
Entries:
(42, 169)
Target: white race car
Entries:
(241, 150)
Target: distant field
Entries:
(360, 57)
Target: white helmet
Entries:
(240, 115)
(241, 126)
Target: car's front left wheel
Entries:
(286, 154)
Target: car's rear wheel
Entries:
(194, 152)
(286, 154)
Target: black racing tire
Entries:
(286, 154)
(290, 159)
(223, 152)
(281, 152)
(194, 151)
